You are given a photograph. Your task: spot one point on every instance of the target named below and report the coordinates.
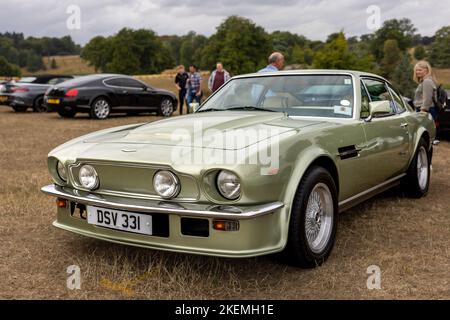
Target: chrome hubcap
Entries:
(319, 218)
(101, 109)
(166, 108)
(422, 168)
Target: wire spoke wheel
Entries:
(319, 218)
(422, 168)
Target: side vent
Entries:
(348, 152)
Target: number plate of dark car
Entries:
(120, 220)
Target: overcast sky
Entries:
(313, 19)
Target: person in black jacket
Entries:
(181, 84)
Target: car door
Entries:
(124, 100)
(144, 97)
(387, 137)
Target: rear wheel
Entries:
(166, 107)
(66, 113)
(20, 108)
(313, 224)
(100, 108)
(417, 179)
(39, 105)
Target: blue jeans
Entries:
(433, 111)
(192, 96)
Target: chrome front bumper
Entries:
(152, 206)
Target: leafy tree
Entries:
(97, 52)
(391, 57)
(173, 45)
(129, 52)
(336, 55)
(286, 42)
(419, 52)
(34, 62)
(440, 48)
(53, 64)
(301, 55)
(191, 48)
(401, 30)
(7, 69)
(239, 44)
(402, 77)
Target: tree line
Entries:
(242, 46)
(17, 52)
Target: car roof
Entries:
(311, 72)
(91, 78)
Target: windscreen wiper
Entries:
(252, 108)
(210, 109)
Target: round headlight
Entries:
(62, 173)
(166, 184)
(229, 185)
(88, 177)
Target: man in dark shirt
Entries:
(181, 84)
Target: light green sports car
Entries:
(265, 165)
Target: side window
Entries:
(378, 92)
(365, 110)
(131, 83)
(116, 82)
(398, 101)
(57, 80)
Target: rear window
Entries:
(81, 81)
(27, 80)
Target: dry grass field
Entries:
(71, 65)
(408, 239)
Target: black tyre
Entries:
(20, 108)
(166, 107)
(417, 180)
(100, 108)
(39, 105)
(314, 218)
(66, 113)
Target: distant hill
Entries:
(70, 65)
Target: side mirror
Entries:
(380, 107)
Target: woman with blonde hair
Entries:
(181, 83)
(425, 96)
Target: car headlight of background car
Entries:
(228, 185)
(166, 184)
(88, 177)
(61, 170)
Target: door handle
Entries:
(124, 91)
(404, 125)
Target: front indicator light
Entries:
(226, 225)
(61, 203)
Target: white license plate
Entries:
(120, 220)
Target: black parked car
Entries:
(443, 123)
(103, 94)
(29, 92)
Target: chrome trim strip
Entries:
(149, 206)
(354, 200)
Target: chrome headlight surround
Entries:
(228, 185)
(61, 171)
(88, 177)
(166, 184)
